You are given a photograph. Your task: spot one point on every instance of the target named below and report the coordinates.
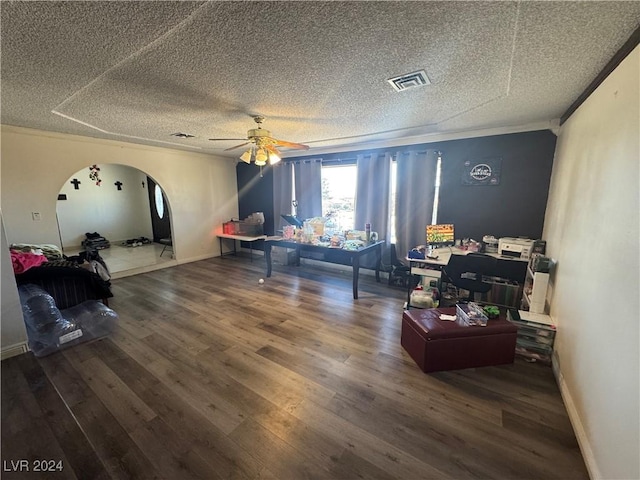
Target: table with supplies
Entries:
(342, 256)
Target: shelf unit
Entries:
(536, 335)
(534, 294)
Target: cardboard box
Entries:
(283, 256)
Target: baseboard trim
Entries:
(145, 269)
(14, 350)
(574, 418)
(159, 266)
(197, 259)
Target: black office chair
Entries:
(466, 272)
(399, 273)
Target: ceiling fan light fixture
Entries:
(263, 145)
(246, 156)
(261, 157)
(273, 158)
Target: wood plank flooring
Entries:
(210, 375)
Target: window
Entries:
(392, 206)
(339, 187)
(436, 197)
(339, 194)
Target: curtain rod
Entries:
(331, 158)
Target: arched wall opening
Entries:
(121, 204)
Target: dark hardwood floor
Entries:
(211, 375)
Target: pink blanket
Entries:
(24, 261)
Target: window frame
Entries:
(334, 164)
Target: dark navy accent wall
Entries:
(515, 207)
(255, 194)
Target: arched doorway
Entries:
(115, 203)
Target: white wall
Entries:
(12, 329)
(591, 228)
(116, 214)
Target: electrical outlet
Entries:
(35, 216)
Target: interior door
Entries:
(160, 221)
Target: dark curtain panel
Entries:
(373, 192)
(282, 194)
(308, 188)
(415, 188)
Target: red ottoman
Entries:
(438, 345)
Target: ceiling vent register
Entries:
(409, 80)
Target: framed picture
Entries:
(485, 171)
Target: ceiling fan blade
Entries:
(237, 146)
(283, 143)
(273, 149)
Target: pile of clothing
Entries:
(90, 260)
(23, 261)
(52, 252)
(95, 241)
(136, 242)
(25, 256)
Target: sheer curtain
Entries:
(308, 176)
(282, 193)
(373, 193)
(415, 189)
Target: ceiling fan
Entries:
(263, 145)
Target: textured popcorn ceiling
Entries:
(140, 71)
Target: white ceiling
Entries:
(139, 71)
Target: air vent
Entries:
(182, 135)
(409, 80)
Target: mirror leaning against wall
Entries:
(120, 212)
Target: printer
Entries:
(515, 247)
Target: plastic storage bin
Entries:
(236, 227)
(471, 314)
(50, 330)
